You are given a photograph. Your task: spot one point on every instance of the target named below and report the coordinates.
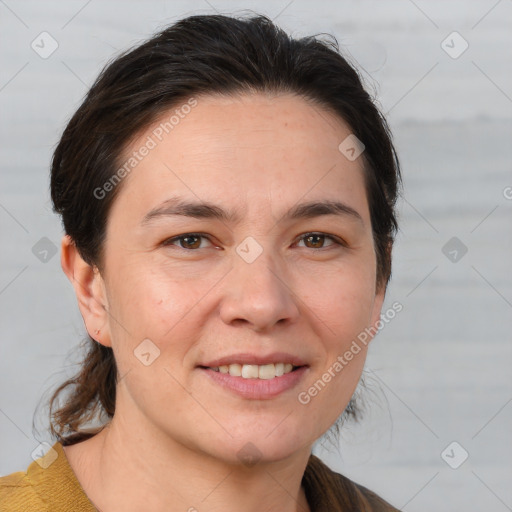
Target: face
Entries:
(258, 279)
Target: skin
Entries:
(173, 442)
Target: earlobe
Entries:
(89, 289)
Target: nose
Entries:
(259, 294)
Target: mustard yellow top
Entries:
(48, 485)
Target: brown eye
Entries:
(191, 242)
(317, 240)
(187, 241)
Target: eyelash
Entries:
(334, 239)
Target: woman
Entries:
(227, 195)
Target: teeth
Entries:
(235, 370)
(266, 371)
(279, 369)
(250, 371)
(254, 371)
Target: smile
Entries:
(254, 371)
(265, 387)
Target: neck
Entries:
(132, 466)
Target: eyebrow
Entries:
(177, 206)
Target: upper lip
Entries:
(247, 358)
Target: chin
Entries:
(251, 445)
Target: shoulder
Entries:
(327, 490)
(48, 484)
(17, 492)
(376, 503)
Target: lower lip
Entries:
(257, 389)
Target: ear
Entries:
(380, 293)
(89, 289)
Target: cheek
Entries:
(155, 304)
(342, 299)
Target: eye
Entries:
(192, 241)
(317, 240)
(187, 241)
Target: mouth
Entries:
(254, 371)
(256, 378)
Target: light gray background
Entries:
(443, 365)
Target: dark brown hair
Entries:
(198, 55)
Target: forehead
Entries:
(247, 149)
